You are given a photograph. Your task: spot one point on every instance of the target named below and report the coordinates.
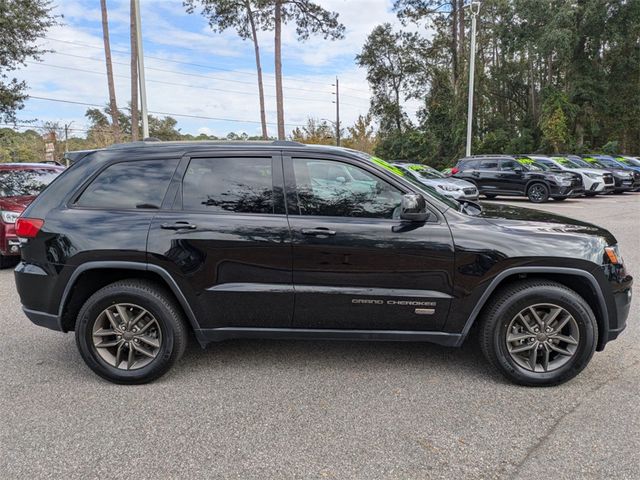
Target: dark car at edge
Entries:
(135, 247)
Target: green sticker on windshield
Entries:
(417, 168)
(387, 166)
(589, 159)
(525, 161)
(560, 160)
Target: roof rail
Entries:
(287, 143)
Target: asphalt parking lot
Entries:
(271, 409)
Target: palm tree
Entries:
(112, 89)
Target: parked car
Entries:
(505, 175)
(19, 185)
(595, 181)
(136, 245)
(451, 187)
(628, 161)
(625, 179)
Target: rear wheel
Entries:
(489, 196)
(538, 193)
(538, 333)
(130, 332)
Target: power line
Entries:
(199, 65)
(62, 67)
(203, 117)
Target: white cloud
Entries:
(310, 67)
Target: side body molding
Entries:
(602, 306)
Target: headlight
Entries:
(592, 175)
(560, 179)
(448, 188)
(9, 217)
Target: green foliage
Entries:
(22, 24)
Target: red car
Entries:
(20, 183)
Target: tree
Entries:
(316, 131)
(392, 62)
(22, 23)
(133, 29)
(361, 136)
(309, 18)
(107, 57)
(240, 15)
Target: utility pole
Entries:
(475, 10)
(337, 102)
(66, 141)
(143, 88)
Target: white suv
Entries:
(595, 181)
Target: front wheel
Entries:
(130, 332)
(538, 333)
(538, 193)
(559, 199)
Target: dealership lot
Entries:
(270, 409)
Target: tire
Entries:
(538, 193)
(489, 196)
(559, 199)
(500, 317)
(166, 338)
(8, 261)
(590, 194)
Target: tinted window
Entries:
(336, 189)
(141, 184)
(242, 185)
(508, 165)
(16, 183)
(468, 165)
(488, 164)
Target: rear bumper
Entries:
(43, 319)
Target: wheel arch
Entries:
(534, 181)
(580, 281)
(90, 277)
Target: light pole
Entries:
(143, 88)
(337, 102)
(475, 10)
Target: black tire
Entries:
(538, 192)
(489, 196)
(149, 296)
(590, 194)
(560, 199)
(8, 261)
(503, 308)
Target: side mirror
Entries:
(518, 169)
(414, 208)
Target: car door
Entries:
(357, 266)
(486, 175)
(227, 240)
(510, 177)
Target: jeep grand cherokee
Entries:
(137, 245)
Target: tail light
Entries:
(454, 170)
(28, 227)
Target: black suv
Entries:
(506, 175)
(136, 246)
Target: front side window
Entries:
(330, 188)
(508, 165)
(489, 165)
(240, 185)
(128, 185)
(18, 183)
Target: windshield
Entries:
(634, 162)
(17, 183)
(425, 188)
(565, 162)
(590, 163)
(532, 165)
(425, 172)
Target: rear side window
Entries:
(140, 184)
(468, 165)
(488, 164)
(241, 185)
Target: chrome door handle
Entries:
(178, 226)
(318, 231)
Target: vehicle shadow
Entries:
(344, 357)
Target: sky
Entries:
(193, 71)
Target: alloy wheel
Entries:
(126, 336)
(537, 193)
(542, 337)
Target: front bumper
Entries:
(566, 191)
(9, 242)
(470, 193)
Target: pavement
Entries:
(276, 409)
